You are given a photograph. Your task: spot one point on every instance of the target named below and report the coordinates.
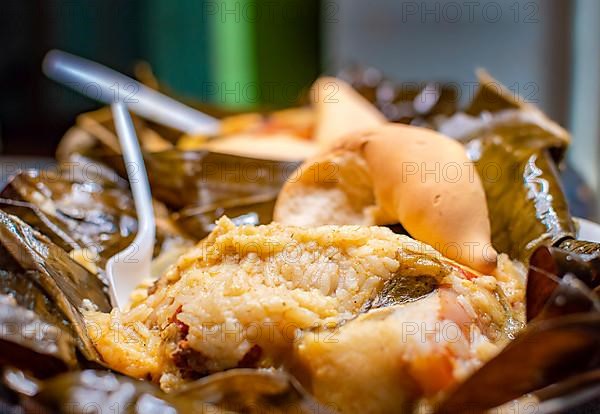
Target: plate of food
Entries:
(340, 256)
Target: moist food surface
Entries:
(291, 297)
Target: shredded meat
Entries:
(191, 362)
(182, 327)
(251, 358)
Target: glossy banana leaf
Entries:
(21, 285)
(591, 250)
(408, 285)
(400, 290)
(557, 282)
(43, 278)
(235, 391)
(28, 342)
(201, 186)
(409, 102)
(491, 96)
(526, 203)
(82, 205)
(201, 178)
(76, 215)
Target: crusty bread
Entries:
(340, 111)
(396, 173)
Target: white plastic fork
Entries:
(106, 85)
(130, 267)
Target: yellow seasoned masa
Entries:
(267, 287)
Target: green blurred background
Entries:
(240, 54)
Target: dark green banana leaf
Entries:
(409, 102)
(526, 203)
(201, 186)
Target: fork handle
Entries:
(109, 86)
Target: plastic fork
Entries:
(127, 269)
(106, 85)
(130, 267)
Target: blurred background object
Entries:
(249, 54)
(585, 103)
(240, 54)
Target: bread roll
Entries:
(341, 110)
(410, 175)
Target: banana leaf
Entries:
(491, 96)
(583, 248)
(526, 203)
(234, 391)
(201, 179)
(554, 274)
(77, 214)
(407, 285)
(409, 102)
(199, 221)
(27, 342)
(43, 278)
(202, 186)
(83, 205)
(21, 285)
